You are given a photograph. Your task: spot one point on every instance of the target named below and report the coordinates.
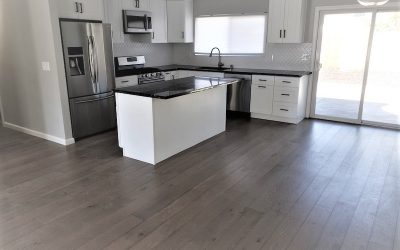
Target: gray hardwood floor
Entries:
(260, 185)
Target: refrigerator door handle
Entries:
(93, 64)
(95, 100)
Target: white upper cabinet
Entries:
(92, 10)
(81, 9)
(114, 17)
(142, 5)
(180, 21)
(68, 9)
(159, 21)
(286, 21)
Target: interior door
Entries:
(342, 52)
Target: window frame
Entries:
(235, 54)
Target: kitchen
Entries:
(152, 111)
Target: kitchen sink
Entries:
(214, 68)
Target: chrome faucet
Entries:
(220, 64)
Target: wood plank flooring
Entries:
(260, 185)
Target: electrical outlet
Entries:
(46, 66)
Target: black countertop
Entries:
(175, 88)
(173, 67)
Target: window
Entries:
(233, 35)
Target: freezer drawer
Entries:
(93, 114)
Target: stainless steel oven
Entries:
(137, 22)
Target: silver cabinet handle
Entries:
(263, 87)
(153, 35)
(286, 110)
(183, 34)
(76, 7)
(280, 33)
(284, 33)
(95, 100)
(285, 94)
(286, 82)
(124, 81)
(262, 80)
(81, 5)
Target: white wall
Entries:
(30, 97)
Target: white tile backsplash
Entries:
(277, 56)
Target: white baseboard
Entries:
(55, 139)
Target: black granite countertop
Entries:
(175, 88)
(173, 67)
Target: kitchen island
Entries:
(159, 120)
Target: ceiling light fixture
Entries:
(373, 2)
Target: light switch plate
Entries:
(46, 66)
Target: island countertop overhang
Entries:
(175, 88)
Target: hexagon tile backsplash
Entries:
(277, 56)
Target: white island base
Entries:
(152, 130)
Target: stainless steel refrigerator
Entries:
(89, 70)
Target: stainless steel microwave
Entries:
(137, 22)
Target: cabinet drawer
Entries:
(291, 82)
(290, 95)
(261, 99)
(263, 80)
(121, 82)
(284, 109)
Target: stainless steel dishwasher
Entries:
(239, 94)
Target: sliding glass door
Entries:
(382, 95)
(357, 75)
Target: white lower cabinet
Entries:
(262, 93)
(126, 81)
(279, 98)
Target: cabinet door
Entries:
(261, 99)
(159, 20)
(114, 17)
(180, 21)
(135, 5)
(92, 10)
(293, 26)
(276, 20)
(68, 9)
